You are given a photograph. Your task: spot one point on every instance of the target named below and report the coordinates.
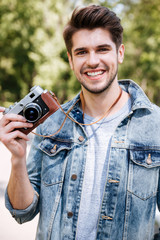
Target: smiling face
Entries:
(95, 59)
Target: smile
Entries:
(92, 74)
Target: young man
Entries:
(98, 177)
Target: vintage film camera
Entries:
(36, 107)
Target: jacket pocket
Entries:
(54, 160)
(144, 172)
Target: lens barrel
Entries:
(32, 112)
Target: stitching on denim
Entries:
(51, 184)
(143, 198)
(53, 154)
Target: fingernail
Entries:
(2, 108)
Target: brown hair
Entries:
(93, 17)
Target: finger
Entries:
(15, 142)
(12, 117)
(15, 117)
(19, 135)
(2, 109)
(17, 125)
(13, 137)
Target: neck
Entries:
(96, 105)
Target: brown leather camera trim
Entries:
(52, 103)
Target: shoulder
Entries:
(156, 111)
(156, 108)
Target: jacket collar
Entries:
(138, 98)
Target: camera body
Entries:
(36, 107)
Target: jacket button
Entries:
(53, 150)
(149, 160)
(70, 214)
(81, 138)
(74, 177)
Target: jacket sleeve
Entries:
(34, 173)
(22, 216)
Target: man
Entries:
(98, 177)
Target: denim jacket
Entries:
(56, 167)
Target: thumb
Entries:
(2, 109)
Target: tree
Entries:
(32, 50)
(142, 40)
(19, 23)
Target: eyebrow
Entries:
(99, 46)
(79, 49)
(104, 45)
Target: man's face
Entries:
(95, 59)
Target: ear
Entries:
(70, 60)
(121, 51)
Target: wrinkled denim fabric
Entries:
(56, 171)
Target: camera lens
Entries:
(32, 112)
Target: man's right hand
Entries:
(13, 139)
(20, 190)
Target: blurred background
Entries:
(32, 52)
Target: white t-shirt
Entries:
(100, 136)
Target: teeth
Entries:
(94, 73)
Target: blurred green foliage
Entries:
(32, 50)
(141, 23)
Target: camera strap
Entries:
(83, 107)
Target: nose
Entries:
(92, 60)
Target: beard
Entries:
(106, 85)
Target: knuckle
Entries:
(3, 119)
(2, 136)
(13, 125)
(4, 140)
(6, 117)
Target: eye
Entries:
(103, 50)
(80, 53)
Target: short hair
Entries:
(91, 17)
